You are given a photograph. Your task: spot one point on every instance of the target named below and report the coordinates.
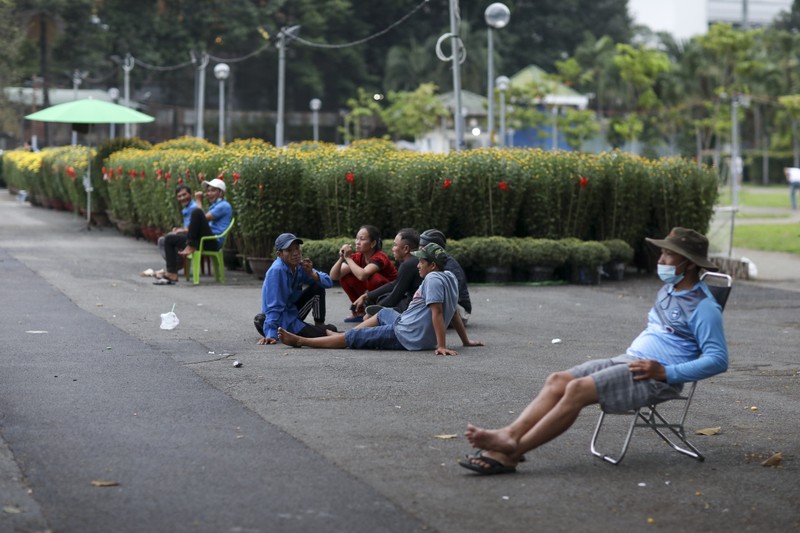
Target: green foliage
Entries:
(619, 250)
(100, 172)
(494, 251)
(324, 252)
(413, 113)
(542, 252)
(587, 254)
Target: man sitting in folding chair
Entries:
(684, 341)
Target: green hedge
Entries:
(318, 190)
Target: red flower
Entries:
(180, 180)
(110, 173)
(235, 178)
(261, 187)
(104, 170)
(119, 170)
(503, 186)
(166, 176)
(350, 177)
(71, 172)
(187, 171)
(159, 172)
(583, 182)
(141, 174)
(221, 177)
(447, 183)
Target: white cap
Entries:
(216, 183)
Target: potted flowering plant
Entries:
(541, 257)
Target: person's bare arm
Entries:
(437, 315)
(458, 324)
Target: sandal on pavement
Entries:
(480, 453)
(165, 281)
(354, 319)
(490, 467)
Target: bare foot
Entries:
(289, 339)
(496, 440)
(189, 250)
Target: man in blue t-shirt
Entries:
(184, 196)
(201, 224)
(423, 326)
(684, 341)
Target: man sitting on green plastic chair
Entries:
(202, 224)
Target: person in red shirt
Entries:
(364, 269)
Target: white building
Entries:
(686, 18)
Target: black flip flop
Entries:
(490, 468)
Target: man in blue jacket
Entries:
(284, 301)
(684, 341)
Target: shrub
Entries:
(494, 251)
(587, 254)
(619, 250)
(542, 252)
(323, 253)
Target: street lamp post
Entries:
(497, 16)
(221, 72)
(113, 93)
(127, 67)
(77, 79)
(502, 85)
(200, 101)
(290, 32)
(315, 104)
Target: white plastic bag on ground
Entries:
(169, 320)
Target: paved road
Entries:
(326, 440)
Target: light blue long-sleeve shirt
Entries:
(691, 344)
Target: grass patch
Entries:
(777, 196)
(768, 237)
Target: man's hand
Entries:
(198, 197)
(473, 343)
(444, 350)
(360, 303)
(267, 340)
(648, 369)
(308, 266)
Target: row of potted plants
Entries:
(318, 190)
(503, 259)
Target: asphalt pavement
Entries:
(93, 392)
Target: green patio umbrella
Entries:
(90, 111)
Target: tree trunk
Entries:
(795, 145)
(698, 136)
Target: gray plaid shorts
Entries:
(617, 391)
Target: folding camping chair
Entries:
(649, 416)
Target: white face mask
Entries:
(668, 275)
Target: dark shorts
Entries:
(617, 391)
(380, 337)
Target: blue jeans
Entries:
(380, 337)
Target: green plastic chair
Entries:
(194, 261)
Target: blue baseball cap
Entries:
(285, 240)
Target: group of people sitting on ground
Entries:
(409, 310)
(197, 223)
(395, 309)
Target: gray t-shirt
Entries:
(414, 328)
